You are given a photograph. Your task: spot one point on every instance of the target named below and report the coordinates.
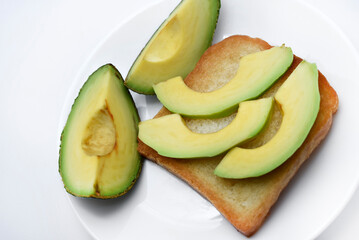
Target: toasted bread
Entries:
(245, 202)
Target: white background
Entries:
(43, 43)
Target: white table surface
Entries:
(46, 42)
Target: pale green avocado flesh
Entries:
(299, 101)
(255, 74)
(98, 153)
(170, 137)
(176, 46)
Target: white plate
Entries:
(164, 207)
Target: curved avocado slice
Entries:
(170, 137)
(299, 101)
(98, 153)
(256, 73)
(176, 46)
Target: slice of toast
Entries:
(246, 202)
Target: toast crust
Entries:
(244, 202)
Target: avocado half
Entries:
(98, 152)
(299, 100)
(177, 45)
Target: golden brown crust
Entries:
(246, 202)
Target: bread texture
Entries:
(243, 202)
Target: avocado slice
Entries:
(176, 46)
(255, 74)
(299, 101)
(98, 152)
(170, 137)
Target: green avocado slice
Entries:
(98, 153)
(170, 137)
(256, 73)
(299, 101)
(176, 46)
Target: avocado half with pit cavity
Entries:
(176, 46)
(98, 153)
(170, 137)
(299, 100)
(256, 73)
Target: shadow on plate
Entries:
(295, 182)
(153, 106)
